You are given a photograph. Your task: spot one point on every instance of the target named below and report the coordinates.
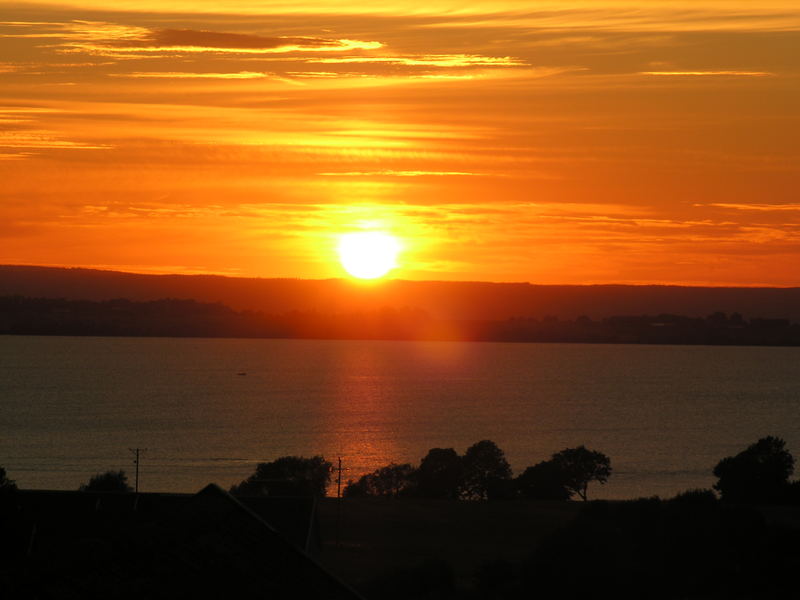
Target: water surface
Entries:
(72, 407)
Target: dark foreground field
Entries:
(694, 545)
(378, 536)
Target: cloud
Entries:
(449, 8)
(21, 114)
(237, 41)
(25, 136)
(26, 133)
(43, 140)
(184, 75)
(755, 207)
(115, 40)
(432, 60)
(74, 30)
(619, 16)
(391, 173)
(15, 156)
(708, 73)
(183, 41)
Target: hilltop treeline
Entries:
(189, 318)
(472, 300)
(742, 543)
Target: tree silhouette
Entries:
(390, 481)
(758, 474)
(440, 474)
(110, 481)
(543, 481)
(287, 476)
(579, 466)
(6, 484)
(485, 468)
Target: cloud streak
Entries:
(186, 75)
(442, 60)
(758, 207)
(708, 73)
(391, 173)
(116, 40)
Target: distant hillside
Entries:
(188, 318)
(450, 300)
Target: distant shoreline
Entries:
(172, 318)
(442, 340)
(445, 300)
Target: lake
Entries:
(211, 409)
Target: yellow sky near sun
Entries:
(552, 142)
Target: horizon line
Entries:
(385, 280)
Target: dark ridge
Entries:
(440, 299)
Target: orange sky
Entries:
(551, 142)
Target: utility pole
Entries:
(339, 480)
(339, 502)
(136, 452)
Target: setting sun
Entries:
(368, 254)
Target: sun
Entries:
(368, 254)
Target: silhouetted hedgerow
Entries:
(692, 546)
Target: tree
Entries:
(287, 476)
(6, 485)
(581, 466)
(543, 481)
(356, 489)
(110, 481)
(390, 481)
(758, 474)
(440, 474)
(485, 468)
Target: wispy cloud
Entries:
(433, 60)
(18, 115)
(115, 40)
(391, 173)
(25, 133)
(15, 155)
(189, 38)
(755, 207)
(708, 73)
(43, 140)
(588, 16)
(185, 75)
(291, 45)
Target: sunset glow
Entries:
(368, 254)
(557, 142)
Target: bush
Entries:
(6, 485)
(390, 481)
(110, 481)
(543, 481)
(757, 475)
(287, 476)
